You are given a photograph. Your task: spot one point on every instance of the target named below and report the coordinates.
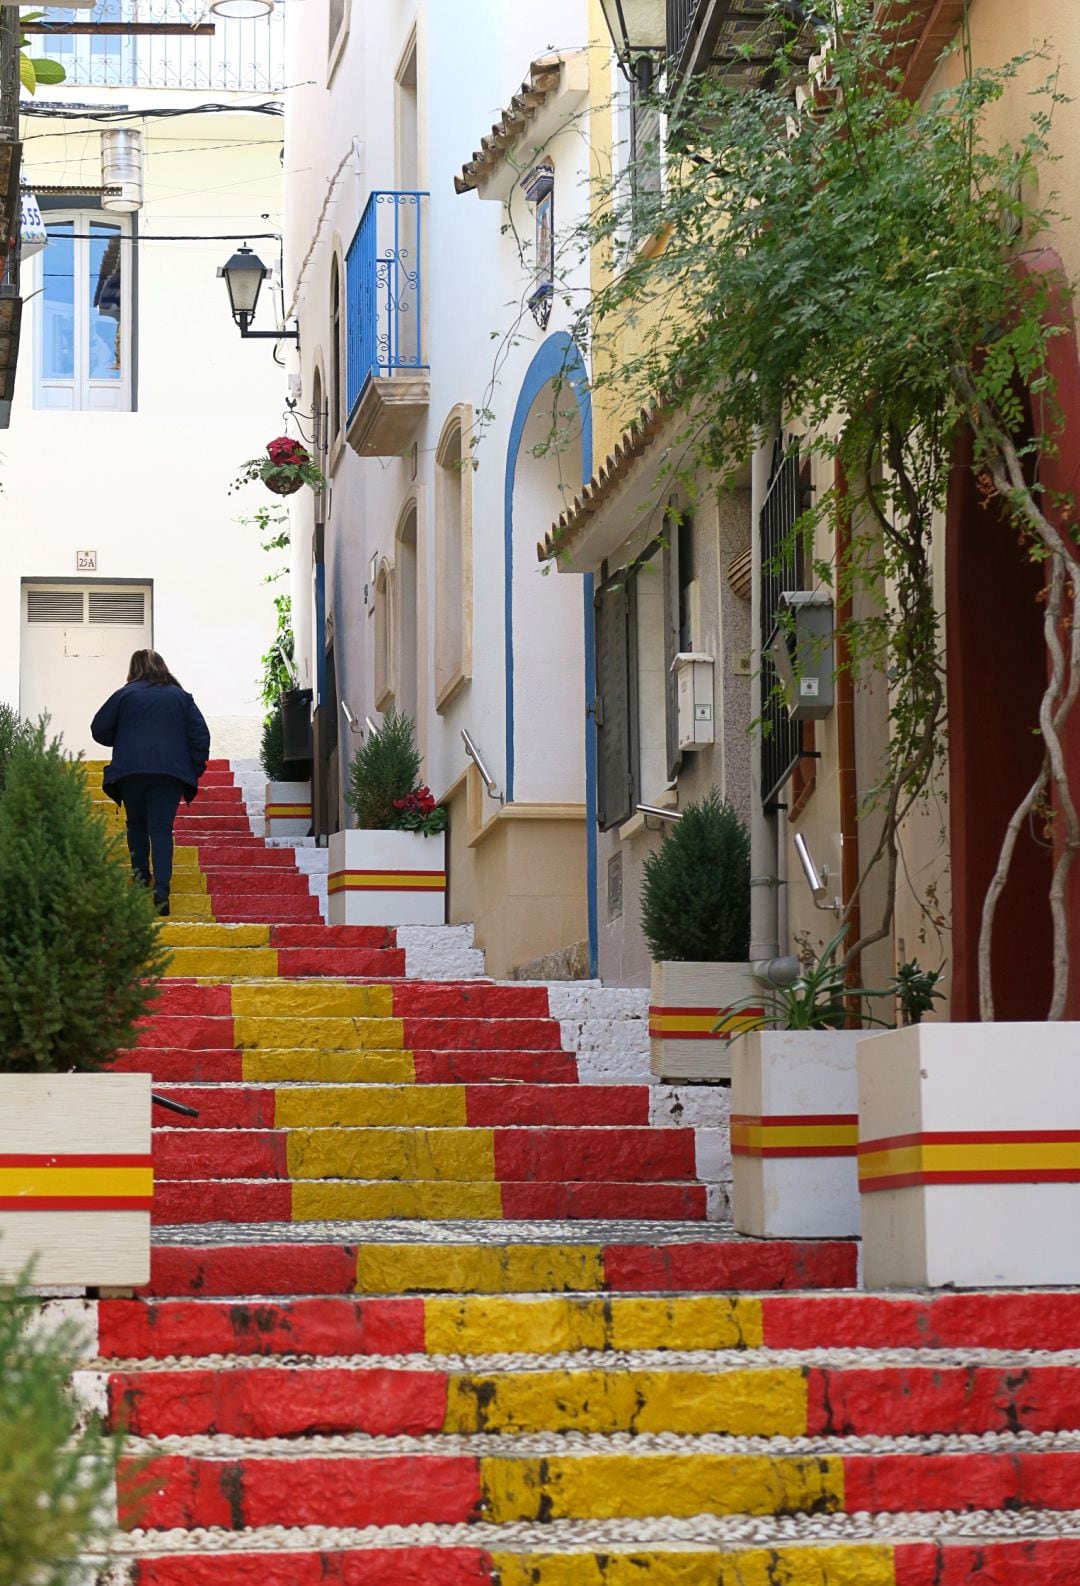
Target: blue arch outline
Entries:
(557, 357)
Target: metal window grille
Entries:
(383, 291)
(781, 569)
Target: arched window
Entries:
(384, 635)
(334, 426)
(453, 558)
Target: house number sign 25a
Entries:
(86, 561)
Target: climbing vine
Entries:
(835, 257)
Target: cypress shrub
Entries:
(79, 948)
(56, 1464)
(273, 748)
(12, 730)
(385, 768)
(695, 897)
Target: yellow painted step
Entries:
(187, 881)
(561, 1323)
(323, 999)
(222, 963)
(337, 1201)
(176, 934)
(740, 1402)
(338, 1034)
(308, 1064)
(190, 907)
(850, 1564)
(404, 1268)
(371, 1107)
(462, 1155)
(603, 1486)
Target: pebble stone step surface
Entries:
(442, 1295)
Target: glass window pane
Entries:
(103, 350)
(58, 46)
(58, 296)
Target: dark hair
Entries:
(147, 666)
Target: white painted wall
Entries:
(149, 490)
(473, 57)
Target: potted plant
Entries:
(695, 913)
(288, 790)
(794, 1106)
(392, 871)
(286, 467)
(79, 958)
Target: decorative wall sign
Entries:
(86, 561)
(539, 187)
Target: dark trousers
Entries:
(150, 804)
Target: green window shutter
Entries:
(614, 723)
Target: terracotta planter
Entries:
(387, 878)
(76, 1181)
(685, 1002)
(969, 1155)
(794, 1133)
(288, 809)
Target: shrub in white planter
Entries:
(695, 913)
(79, 955)
(393, 870)
(288, 809)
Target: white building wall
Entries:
(149, 490)
(472, 58)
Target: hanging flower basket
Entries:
(285, 468)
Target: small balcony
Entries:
(388, 382)
(738, 37)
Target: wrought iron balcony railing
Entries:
(740, 38)
(384, 292)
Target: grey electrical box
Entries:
(801, 648)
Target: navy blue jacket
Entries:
(153, 729)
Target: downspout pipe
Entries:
(764, 868)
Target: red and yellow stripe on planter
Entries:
(76, 1180)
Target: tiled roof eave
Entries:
(568, 528)
(541, 83)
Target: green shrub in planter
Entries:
(273, 749)
(56, 1467)
(695, 897)
(79, 948)
(385, 768)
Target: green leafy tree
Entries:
(35, 69)
(385, 768)
(695, 895)
(845, 259)
(279, 671)
(56, 1464)
(79, 947)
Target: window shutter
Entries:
(62, 606)
(613, 722)
(118, 608)
(672, 626)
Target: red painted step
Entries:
(476, 1034)
(353, 936)
(482, 999)
(486, 1106)
(262, 910)
(231, 879)
(208, 1067)
(542, 1156)
(298, 963)
(215, 1065)
(136, 1329)
(203, 1489)
(713, 1266)
(180, 1201)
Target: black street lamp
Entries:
(638, 31)
(244, 275)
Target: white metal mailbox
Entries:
(694, 688)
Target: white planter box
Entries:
(84, 1223)
(288, 809)
(387, 878)
(794, 1133)
(969, 1155)
(685, 1002)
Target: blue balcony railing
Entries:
(383, 287)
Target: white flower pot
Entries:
(969, 1155)
(794, 1133)
(387, 878)
(76, 1180)
(685, 1002)
(288, 809)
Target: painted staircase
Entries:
(439, 1297)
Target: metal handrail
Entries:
(354, 725)
(661, 815)
(174, 1106)
(477, 759)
